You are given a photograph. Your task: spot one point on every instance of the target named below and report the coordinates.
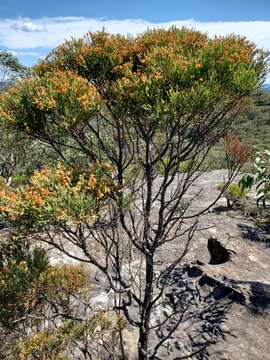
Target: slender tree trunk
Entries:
(146, 309)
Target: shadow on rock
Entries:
(196, 310)
(198, 306)
(259, 296)
(256, 233)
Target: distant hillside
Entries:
(253, 128)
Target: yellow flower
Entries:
(92, 182)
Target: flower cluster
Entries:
(158, 72)
(63, 96)
(187, 41)
(60, 194)
(234, 49)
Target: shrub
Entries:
(234, 193)
(61, 343)
(237, 153)
(262, 179)
(48, 307)
(28, 281)
(20, 271)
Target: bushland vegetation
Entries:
(125, 126)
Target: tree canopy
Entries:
(156, 75)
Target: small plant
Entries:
(20, 269)
(34, 293)
(234, 193)
(262, 165)
(261, 179)
(236, 153)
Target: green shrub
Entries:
(234, 193)
(20, 269)
(262, 165)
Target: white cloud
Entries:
(23, 53)
(27, 26)
(27, 33)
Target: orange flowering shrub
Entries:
(58, 195)
(62, 97)
(54, 283)
(235, 49)
(156, 74)
(63, 278)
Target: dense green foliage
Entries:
(20, 269)
(153, 76)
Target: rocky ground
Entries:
(231, 300)
(245, 331)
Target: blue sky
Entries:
(30, 29)
(151, 10)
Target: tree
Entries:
(14, 146)
(144, 106)
(10, 69)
